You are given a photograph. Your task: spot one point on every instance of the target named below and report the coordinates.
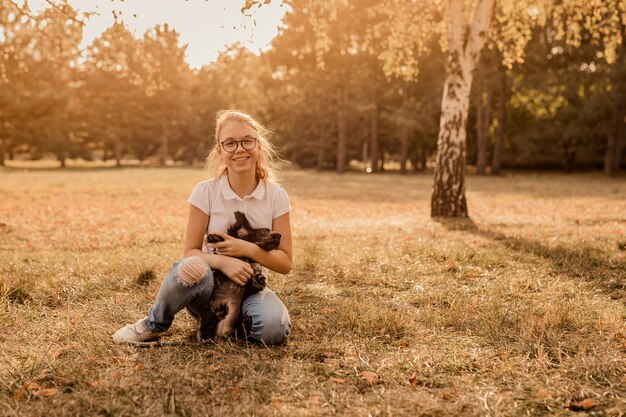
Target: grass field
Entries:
(519, 311)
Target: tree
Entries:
(114, 89)
(167, 85)
(37, 68)
(616, 140)
(13, 59)
(464, 43)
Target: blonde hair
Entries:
(265, 164)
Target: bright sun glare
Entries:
(206, 26)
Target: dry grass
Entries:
(517, 312)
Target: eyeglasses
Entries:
(230, 145)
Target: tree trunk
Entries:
(374, 136)
(423, 157)
(404, 148)
(609, 155)
(480, 130)
(321, 148)
(615, 140)
(465, 43)
(415, 157)
(365, 155)
(482, 150)
(118, 152)
(342, 128)
(164, 144)
(614, 149)
(501, 115)
(569, 157)
(2, 151)
(61, 158)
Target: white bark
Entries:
(448, 199)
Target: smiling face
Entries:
(242, 160)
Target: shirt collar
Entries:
(229, 194)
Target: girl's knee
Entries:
(271, 327)
(190, 271)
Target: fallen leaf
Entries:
(413, 380)
(235, 390)
(584, 405)
(32, 386)
(97, 383)
(18, 394)
(371, 377)
(447, 395)
(46, 392)
(276, 403)
(327, 310)
(587, 403)
(337, 380)
(139, 367)
(543, 393)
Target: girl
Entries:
(243, 159)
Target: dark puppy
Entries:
(220, 315)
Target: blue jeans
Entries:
(270, 319)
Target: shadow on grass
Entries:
(584, 261)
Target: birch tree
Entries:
(466, 27)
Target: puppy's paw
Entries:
(258, 281)
(211, 238)
(270, 241)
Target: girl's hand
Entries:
(232, 246)
(235, 269)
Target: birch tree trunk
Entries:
(466, 43)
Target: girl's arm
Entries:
(278, 260)
(237, 270)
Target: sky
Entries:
(206, 26)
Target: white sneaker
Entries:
(136, 334)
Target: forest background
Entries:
(346, 84)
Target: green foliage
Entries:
(326, 87)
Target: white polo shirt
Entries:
(216, 199)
